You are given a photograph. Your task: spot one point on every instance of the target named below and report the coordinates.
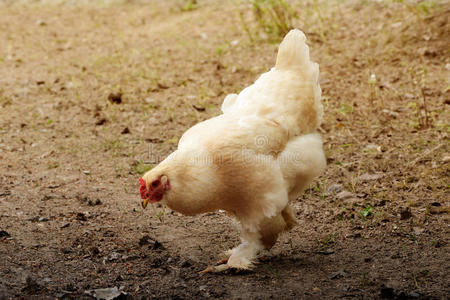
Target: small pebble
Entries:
(344, 195)
(41, 22)
(335, 188)
(370, 177)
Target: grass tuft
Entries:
(271, 20)
(141, 168)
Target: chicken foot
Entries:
(215, 269)
(221, 265)
(239, 258)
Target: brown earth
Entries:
(374, 225)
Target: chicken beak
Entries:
(144, 203)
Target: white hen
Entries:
(261, 153)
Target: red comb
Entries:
(143, 189)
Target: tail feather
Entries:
(294, 76)
(293, 54)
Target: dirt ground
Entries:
(374, 225)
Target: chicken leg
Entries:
(241, 257)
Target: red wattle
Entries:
(143, 189)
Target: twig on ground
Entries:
(425, 155)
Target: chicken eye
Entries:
(155, 183)
(147, 194)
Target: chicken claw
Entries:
(224, 267)
(223, 261)
(220, 266)
(216, 269)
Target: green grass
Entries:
(114, 146)
(52, 165)
(327, 241)
(141, 168)
(271, 20)
(367, 211)
(189, 5)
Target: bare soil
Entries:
(91, 95)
